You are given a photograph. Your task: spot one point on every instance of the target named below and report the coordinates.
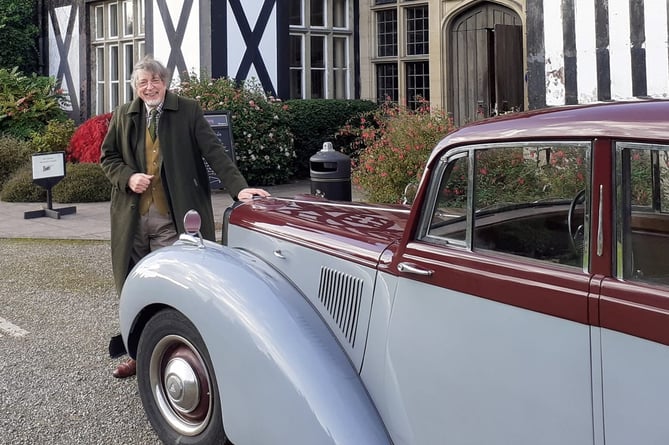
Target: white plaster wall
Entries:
(190, 46)
(62, 17)
(619, 49)
(555, 89)
(586, 51)
(657, 44)
(268, 43)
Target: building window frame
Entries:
(324, 29)
(116, 43)
(406, 47)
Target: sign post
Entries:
(48, 170)
(221, 123)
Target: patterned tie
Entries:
(152, 123)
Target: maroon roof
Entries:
(620, 120)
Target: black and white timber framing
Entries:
(576, 51)
(583, 51)
(232, 38)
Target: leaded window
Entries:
(117, 43)
(320, 47)
(386, 25)
(387, 88)
(418, 83)
(402, 51)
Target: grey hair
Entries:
(150, 65)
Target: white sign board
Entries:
(48, 165)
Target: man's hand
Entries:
(139, 182)
(247, 194)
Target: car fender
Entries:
(282, 377)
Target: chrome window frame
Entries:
(430, 200)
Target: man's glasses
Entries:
(145, 83)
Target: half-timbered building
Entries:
(473, 58)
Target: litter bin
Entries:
(330, 173)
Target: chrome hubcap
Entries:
(183, 388)
(181, 385)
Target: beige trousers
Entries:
(155, 231)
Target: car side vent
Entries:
(341, 295)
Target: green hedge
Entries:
(20, 188)
(314, 121)
(18, 34)
(82, 183)
(14, 154)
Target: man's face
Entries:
(150, 88)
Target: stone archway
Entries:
(486, 62)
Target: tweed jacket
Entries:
(185, 138)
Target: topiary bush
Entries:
(20, 187)
(315, 121)
(86, 141)
(84, 182)
(28, 103)
(14, 153)
(260, 126)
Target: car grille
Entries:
(341, 295)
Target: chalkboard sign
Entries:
(221, 123)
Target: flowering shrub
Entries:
(521, 174)
(641, 177)
(565, 173)
(28, 103)
(260, 126)
(86, 141)
(509, 175)
(391, 149)
(56, 136)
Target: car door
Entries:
(634, 308)
(489, 339)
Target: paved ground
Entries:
(58, 309)
(91, 220)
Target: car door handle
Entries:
(412, 268)
(279, 254)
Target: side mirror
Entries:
(409, 193)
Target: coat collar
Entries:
(171, 101)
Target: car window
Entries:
(521, 199)
(449, 212)
(642, 176)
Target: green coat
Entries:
(185, 137)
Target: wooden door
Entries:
(508, 44)
(482, 77)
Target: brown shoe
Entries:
(126, 369)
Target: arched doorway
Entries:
(486, 63)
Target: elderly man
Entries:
(152, 154)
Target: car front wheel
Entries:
(177, 383)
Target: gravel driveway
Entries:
(58, 310)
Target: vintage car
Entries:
(522, 298)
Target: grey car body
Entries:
(528, 309)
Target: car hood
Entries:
(348, 229)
